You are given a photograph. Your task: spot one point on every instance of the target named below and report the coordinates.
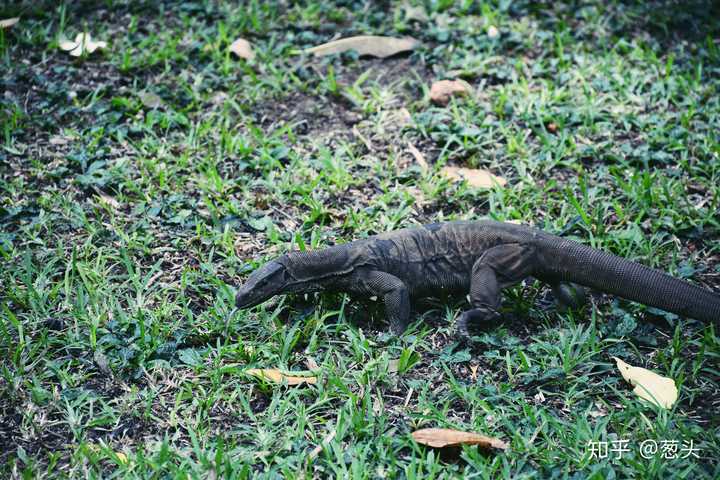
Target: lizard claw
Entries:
(475, 316)
(398, 327)
(461, 327)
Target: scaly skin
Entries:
(481, 258)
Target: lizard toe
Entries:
(474, 318)
(461, 327)
(398, 327)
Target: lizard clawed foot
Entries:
(398, 327)
(474, 317)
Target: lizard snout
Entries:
(266, 282)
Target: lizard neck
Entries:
(319, 269)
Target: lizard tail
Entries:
(571, 261)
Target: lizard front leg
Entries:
(394, 294)
(498, 267)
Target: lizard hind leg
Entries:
(569, 295)
(498, 267)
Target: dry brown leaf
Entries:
(649, 385)
(473, 371)
(311, 364)
(446, 437)
(9, 22)
(276, 376)
(441, 91)
(108, 200)
(83, 43)
(419, 157)
(362, 138)
(325, 441)
(242, 48)
(373, 45)
(475, 177)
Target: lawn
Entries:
(141, 183)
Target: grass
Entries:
(124, 230)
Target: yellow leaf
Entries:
(9, 22)
(276, 376)
(649, 385)
(373, 45)
(242, 49)
(445, 437)
(475, 177)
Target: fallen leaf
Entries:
(325, 441)
(108, 200)
(83, 43)
(9, 22)
(473, 371)
(150, 99)
(649, 385)
(417, 13)
(362, 138)
(446, 437)
(311, 364)
(276, 376)
(441, 91)
(394, 366)
(101, 361)
(598, 411)
(59, 140)
(373, 45)
(419, 157)
(475, 177)
(404, 117)
(121, 457)
(242, 48)
(493, 32)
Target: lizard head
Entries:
(267, 281)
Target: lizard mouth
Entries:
(249, 297)
(263, 284)
(244, 300)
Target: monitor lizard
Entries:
(479, 257)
